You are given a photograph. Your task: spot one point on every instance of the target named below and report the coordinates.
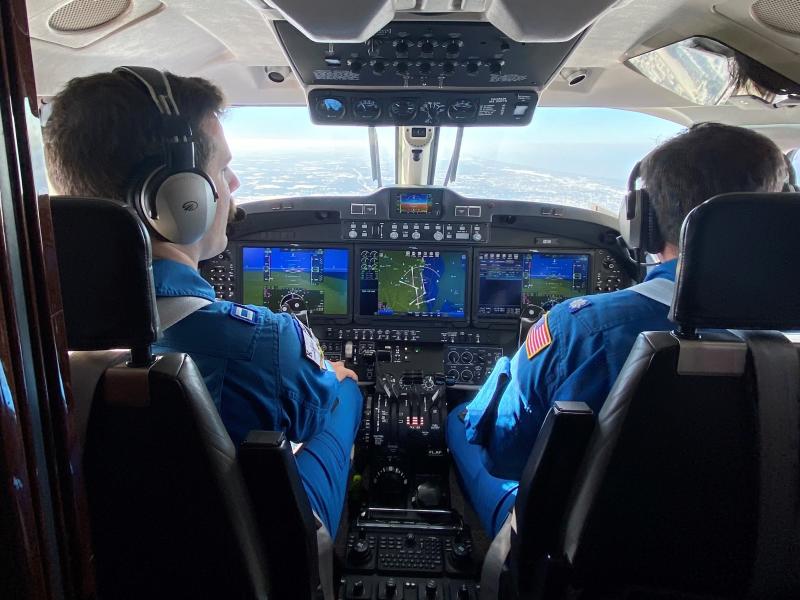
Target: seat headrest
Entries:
(106, 273)
(736, 267)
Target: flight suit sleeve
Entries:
(308, 391)
(505, 416)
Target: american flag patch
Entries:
(538, 338)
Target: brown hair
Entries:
(706, 160)
(103, 128)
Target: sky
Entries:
(593, 142)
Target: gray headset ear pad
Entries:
(185, 205)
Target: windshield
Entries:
(570, 156)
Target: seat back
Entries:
(690, 487)
(170, 513)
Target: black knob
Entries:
(472, 67)
(401, 47)
(391, 588)
(358, 588)
(453, 47)
(360, 551)
(448, 67)
(426, 47)
(402, 68)
(495, 67)
(378, 67)
(463, 592)
(410, 540)
(425, 67)
(461, 550)
(430, 588)
(355, 64)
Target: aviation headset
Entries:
(638, 223)
(175, 199)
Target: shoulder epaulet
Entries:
(242, 313)
(578, 304)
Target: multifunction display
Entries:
(413, 283)
(512, 280)
(312, 278)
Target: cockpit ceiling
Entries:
(232, 43)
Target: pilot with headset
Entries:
(154, 140)
(575, 351)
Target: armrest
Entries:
(285, 521)
(545, 487)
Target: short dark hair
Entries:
(706, 160)
(104, 127)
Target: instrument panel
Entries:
(432, 281)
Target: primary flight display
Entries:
(316, 277)
(412, 283)
(510, 281)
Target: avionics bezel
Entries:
(486, 320)
(372, 319)
(437, 204)
(315, 318)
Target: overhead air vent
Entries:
(781, 15)
(81, 15)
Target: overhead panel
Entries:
(424, 73)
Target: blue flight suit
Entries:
(255, 366)
(576, 353)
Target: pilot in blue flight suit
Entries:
(575, 351)
(263, 370)
(255, 365)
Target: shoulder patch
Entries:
(248, 315)
(538, 337)
(578, 304)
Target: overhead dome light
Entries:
(81, 15)
(781, 15)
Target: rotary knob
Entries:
(438, 236)
(415, 235)
(360, 551)
(472, 67)
(378, 67)
(452, 48)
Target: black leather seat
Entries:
(172, 515)
(690, 483)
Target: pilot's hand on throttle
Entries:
(343, 372)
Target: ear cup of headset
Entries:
(790, 185)
(178, 206)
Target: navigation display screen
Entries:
(512, 280)
(414, 204)
(317, 277)
(413, 283)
